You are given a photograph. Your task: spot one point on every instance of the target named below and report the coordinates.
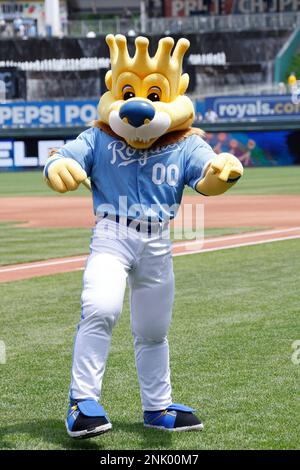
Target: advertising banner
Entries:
(174, 8)
(259, 148)
(26, 153)
(47, 113)
(253, 148)
(255, 108)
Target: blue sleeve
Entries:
(198, 156)
(81, 149)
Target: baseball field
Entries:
(236, 318)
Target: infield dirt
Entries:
(280, 214)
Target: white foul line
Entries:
(237, 245)
(181, 245)
(242, 235)
(44, 264)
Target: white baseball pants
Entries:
(146, 262)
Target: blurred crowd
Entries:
(17, 28)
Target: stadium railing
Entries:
(243, 90)
(192, 24)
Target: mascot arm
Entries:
(223, 172)
(63, 174)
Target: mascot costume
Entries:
(139, 156)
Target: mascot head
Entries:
(145, 97)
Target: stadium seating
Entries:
(242, 58)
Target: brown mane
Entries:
(166, 139)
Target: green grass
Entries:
(30, 183)
(178, 234)
(234, 322)
(277, 180)
(21, 244)
(266, 180)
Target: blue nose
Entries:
(136, 112)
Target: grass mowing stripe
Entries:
(266, 181)
(262, 180)
(21, 244)
(30, 183)
(235, 318)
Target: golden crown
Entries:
(164, 61)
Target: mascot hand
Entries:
(224, 171)
(63, 174)
(227, 167)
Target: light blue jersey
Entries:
(138, 183)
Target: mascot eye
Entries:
(153, 97)
(154, 94)
(128, 92)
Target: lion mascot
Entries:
(139, 156)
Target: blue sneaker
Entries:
(86, 418)
(174, 418)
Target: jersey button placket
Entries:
(140, 184)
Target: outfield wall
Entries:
(255, 144)
(79, 112)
